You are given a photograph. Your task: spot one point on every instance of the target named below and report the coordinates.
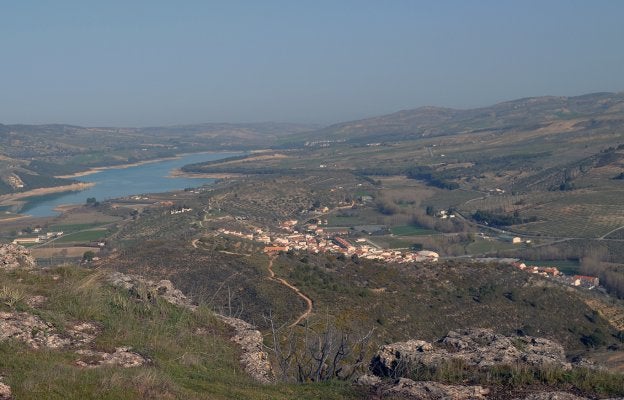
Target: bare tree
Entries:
(320, 353)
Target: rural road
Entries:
(284, 282)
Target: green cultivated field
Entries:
(484, 246)
(411, 230)
(83, 236)
(69, 228)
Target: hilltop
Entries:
(505, 117)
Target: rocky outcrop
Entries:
(475, 347)
(5, 391)
(13, 256)
(148, 289)
(436, 390)
(122, 357)
(36, 301)
(37, 333)
(552, 396)
(425, 390)
(254, 359)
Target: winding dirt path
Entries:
(284, 282)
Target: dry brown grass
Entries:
(62, 251)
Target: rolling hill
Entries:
(521, 114)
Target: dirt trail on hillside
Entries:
(284, 282)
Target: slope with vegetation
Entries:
(93, 340)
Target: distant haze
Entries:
(148, 63)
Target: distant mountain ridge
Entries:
(438, 121)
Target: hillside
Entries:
(320, 246)
(547, 169)
(73, 333)
(361, 303)
(521, 114)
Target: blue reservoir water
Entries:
(119, 182)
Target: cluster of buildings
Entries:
(444, 214)
(315, 239)
(180, 210)
(42, 237)
(544, 271)
(584, 281)
(15, 181)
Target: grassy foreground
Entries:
(192, 356)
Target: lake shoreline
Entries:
(95, 170)
(178, 173)
(149, 176)
(13, 198)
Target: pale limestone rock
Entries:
(122, 357)
(5, 390)
(475, 347)
(254, 358)
(552, 396)
(14, 256)
(36, 301)
(436, 390)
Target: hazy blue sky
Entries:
(137, 63)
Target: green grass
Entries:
(185, 364)
(484, 246)
(69, 228)
(411, 230)
(84, 236)
(335, 220)
(392, 242)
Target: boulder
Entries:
(5, 391)
(13, 256)
(552, 396)
(36, 301)
(392, 357)
(474, 347)
(436, 390)
(38, 333)
(121, 357)
(141, 287)
(426, 390)
(368, 380)
(254, 358)
(31, 330)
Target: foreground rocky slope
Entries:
(459, 352)
(474, 347)
(27, 319)
(253, 358)
(76, 321)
